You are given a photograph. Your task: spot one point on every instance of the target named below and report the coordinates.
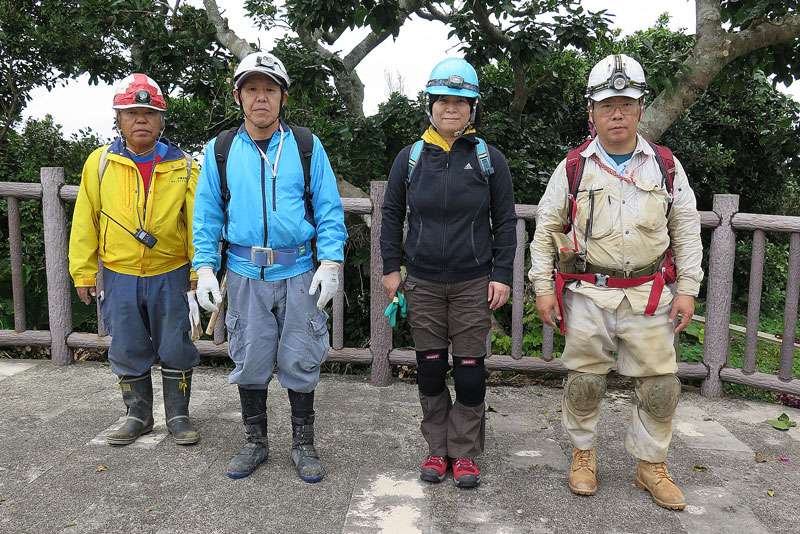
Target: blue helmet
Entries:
(453, 76)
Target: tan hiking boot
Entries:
(655, 479)
(582, 478)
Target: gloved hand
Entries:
(207, 283)
(397, 307)
(327, 279)
(194, 316)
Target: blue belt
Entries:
(267, 257)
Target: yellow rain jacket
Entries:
(165, 212)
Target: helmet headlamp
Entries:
(455, 82)
(142, 96)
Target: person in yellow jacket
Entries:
(134, 213)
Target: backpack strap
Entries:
(575, 164)
(221, 148)
(666, 162)
(305, 147)
(413, 157)
(484, 160)
(103, 165)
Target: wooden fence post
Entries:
(790, 310)
(56, 264)
(17, 277)
(718, 297)
(380, 331)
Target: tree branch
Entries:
(714, 49)
(495, 34)
(226, 37)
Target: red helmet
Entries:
(139, 90)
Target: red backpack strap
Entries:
(574, 168)
(666, 162)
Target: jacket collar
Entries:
(173, 152)
(641, 146)
(433, 137)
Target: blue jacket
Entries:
(264, 211)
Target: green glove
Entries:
(403, 305)
(397, 307)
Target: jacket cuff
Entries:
(544, 288)
(501, 275)
(86, 282)
(390, 266)
(688, 287)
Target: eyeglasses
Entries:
(606, 110)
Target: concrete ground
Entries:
(57, 474)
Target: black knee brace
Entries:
(470, 377)
(432, 367)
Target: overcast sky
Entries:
(420, 45)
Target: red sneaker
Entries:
(465, 473)
(434, 468)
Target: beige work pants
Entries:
(644, 347)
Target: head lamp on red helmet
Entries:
(139, 90)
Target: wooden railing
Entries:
(381, 354)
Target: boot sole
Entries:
(186, 441)
(577, 491)
(468, 483)
(313, 479)
(641, 486)
(127, 441)
(429, 477)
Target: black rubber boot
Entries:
(177, 390)
(137, 393)
(304, 455)
(256, 449)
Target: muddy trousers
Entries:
(644, 351)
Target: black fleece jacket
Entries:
(459, 227)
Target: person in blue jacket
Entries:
(459, 256)
(274, 317)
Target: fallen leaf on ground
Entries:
(152, 509)
(781, 423)
(100, 468)
(193, 452)
(708, 418)
(700, 468)
(490, 408)
(759, 458)
(534, 464)
(539, 394)
(545, 427)
(770, 493)
(544, 412)
(71, 524)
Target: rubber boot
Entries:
(137, 394)
(256, 448)
(304, 455)
(177, 390)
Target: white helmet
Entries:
(264, 63)
(616, 75)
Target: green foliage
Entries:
(22, 155)
(533, 328)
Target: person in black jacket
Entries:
(459, 257)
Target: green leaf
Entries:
(781, 423)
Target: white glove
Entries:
(327, 276)
(207, 283)
(194, 316)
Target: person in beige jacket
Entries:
(630, 216)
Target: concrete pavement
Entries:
(57, 474)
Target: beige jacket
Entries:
(629, 227)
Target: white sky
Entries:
(420, 45)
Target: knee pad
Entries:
(470, 375)
(584, 391)
(432, 367)
(658, 395)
